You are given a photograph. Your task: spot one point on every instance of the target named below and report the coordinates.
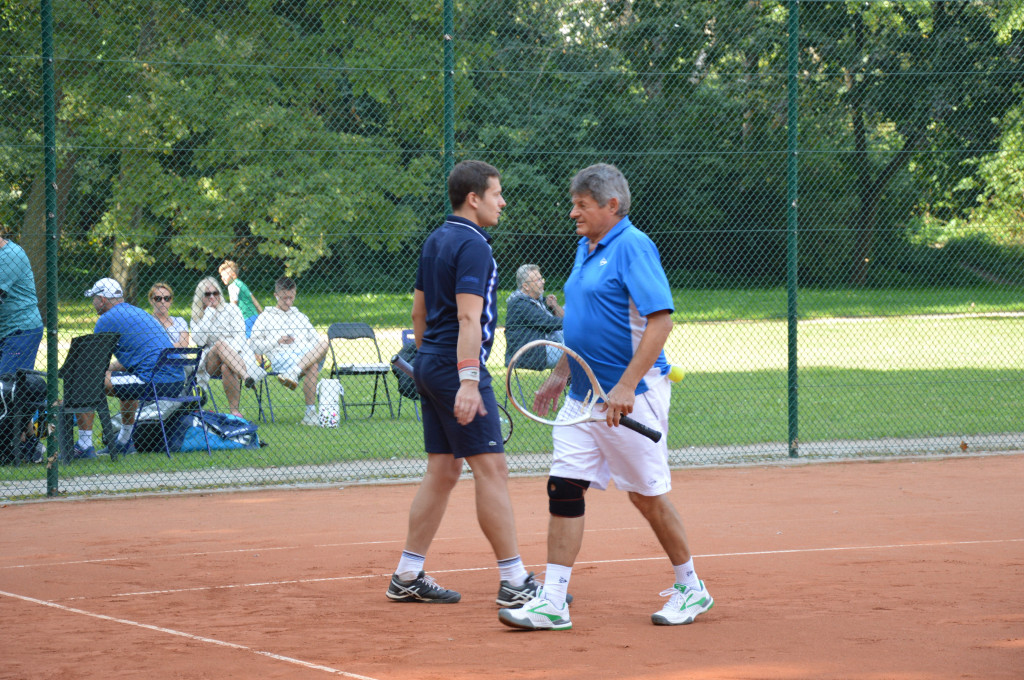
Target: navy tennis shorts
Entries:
(437, 379)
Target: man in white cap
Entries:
(136, 353)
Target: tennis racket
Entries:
(503, 416)
(547, 393)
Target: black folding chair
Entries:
(360, 351)
(83, 372)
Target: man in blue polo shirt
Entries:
(454, 315)
(617, 317)
(142, 340)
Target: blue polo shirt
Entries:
(19, 310)
(142, 340)
(608, 296)
(456, 258)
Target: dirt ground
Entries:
(906, 569)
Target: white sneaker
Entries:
(683, 606)
(537, 614)
(289, 380)
(310, 419)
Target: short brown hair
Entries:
(469, 177)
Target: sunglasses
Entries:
(211, 293)
(162, 298)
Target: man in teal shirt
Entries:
(21, 326)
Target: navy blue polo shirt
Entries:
(457, 258)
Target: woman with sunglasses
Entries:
(218, 327)
(161, 296)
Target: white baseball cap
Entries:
(108, 288)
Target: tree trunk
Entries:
(33, 227)
(126, 273)
(120, 268)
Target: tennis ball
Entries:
(676, 373)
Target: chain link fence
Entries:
(835, 189)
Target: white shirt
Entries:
(273, 324)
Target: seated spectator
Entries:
(161, 296)
(218, 327)
(530, 316)
(21, 325)
(293, 345)
(239, 293)
(136, 353)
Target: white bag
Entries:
(328, 397)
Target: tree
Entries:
(912, 79)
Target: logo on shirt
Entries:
(470, 279)
(603, 261)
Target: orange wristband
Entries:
(469, 369)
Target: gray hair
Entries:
(524, 272)
(603, 182)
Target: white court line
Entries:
(537, 566)
(151, 556)
(190, 636)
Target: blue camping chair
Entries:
(408, 339)
(187, 359)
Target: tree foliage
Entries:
(290, 130)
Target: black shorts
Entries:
(437, 379)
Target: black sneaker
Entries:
(423, 588)
(514, 597)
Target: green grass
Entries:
(870, 377)
(392, 310)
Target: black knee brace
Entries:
(565, 496)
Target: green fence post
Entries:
(792, 223)
(50, 170)
(449, 95)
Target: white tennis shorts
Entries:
(595, 452)
(284, 361)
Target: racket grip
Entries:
(640, 428)
(402, 365)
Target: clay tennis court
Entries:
(908, 569)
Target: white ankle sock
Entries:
(410, 565)
(686, 575)
(85, 438)
(125, 434)
(512, 570)
(556, 583)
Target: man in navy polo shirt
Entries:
(617, 317)
(454, 315)
(142, 340)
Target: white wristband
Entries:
(470, 373)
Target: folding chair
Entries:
(378, 370)
(187, 359)
(83, 372)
